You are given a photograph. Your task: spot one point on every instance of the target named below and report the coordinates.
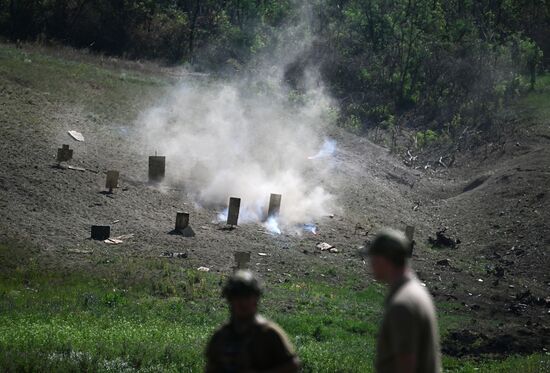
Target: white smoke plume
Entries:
(248, 137)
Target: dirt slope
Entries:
(501, 219)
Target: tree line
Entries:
(445, 63)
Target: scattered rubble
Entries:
(410, 160)
(323, 246)
(497, 271)
(472, 343)
(169, 254)
(442, 239)
(528, 298)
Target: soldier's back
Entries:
(263, 345)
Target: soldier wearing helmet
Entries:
(248, 342)
(408, 339)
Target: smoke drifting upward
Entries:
(248, 137)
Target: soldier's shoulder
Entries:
(413, 296)
(268, 325)
(270, 328)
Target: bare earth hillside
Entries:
(497, 207)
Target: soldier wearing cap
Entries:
(408, 339)
(248, 342)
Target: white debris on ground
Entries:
(76, 135)
(119, 239)
(113, 241)
(323, 246)
(203, 269)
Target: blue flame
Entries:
(272, 225)
(328, 149)
(310, 228)
(222, 216)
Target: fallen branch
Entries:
(411, 160)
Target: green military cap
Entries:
(391, 244)
(242, 283)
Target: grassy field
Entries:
(115, 321)
(45, 84)
(132, 315)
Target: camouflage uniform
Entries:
(250, 345)
(261, 346)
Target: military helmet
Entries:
(391, 244)
(241, 284)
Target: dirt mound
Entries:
(466, 342)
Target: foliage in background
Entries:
(431, 60)
(174, 30)
(389, 63)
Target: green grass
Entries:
(69, 323)
(108, 93)
(75, 322)
(538, 101)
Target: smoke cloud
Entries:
(248, 137)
